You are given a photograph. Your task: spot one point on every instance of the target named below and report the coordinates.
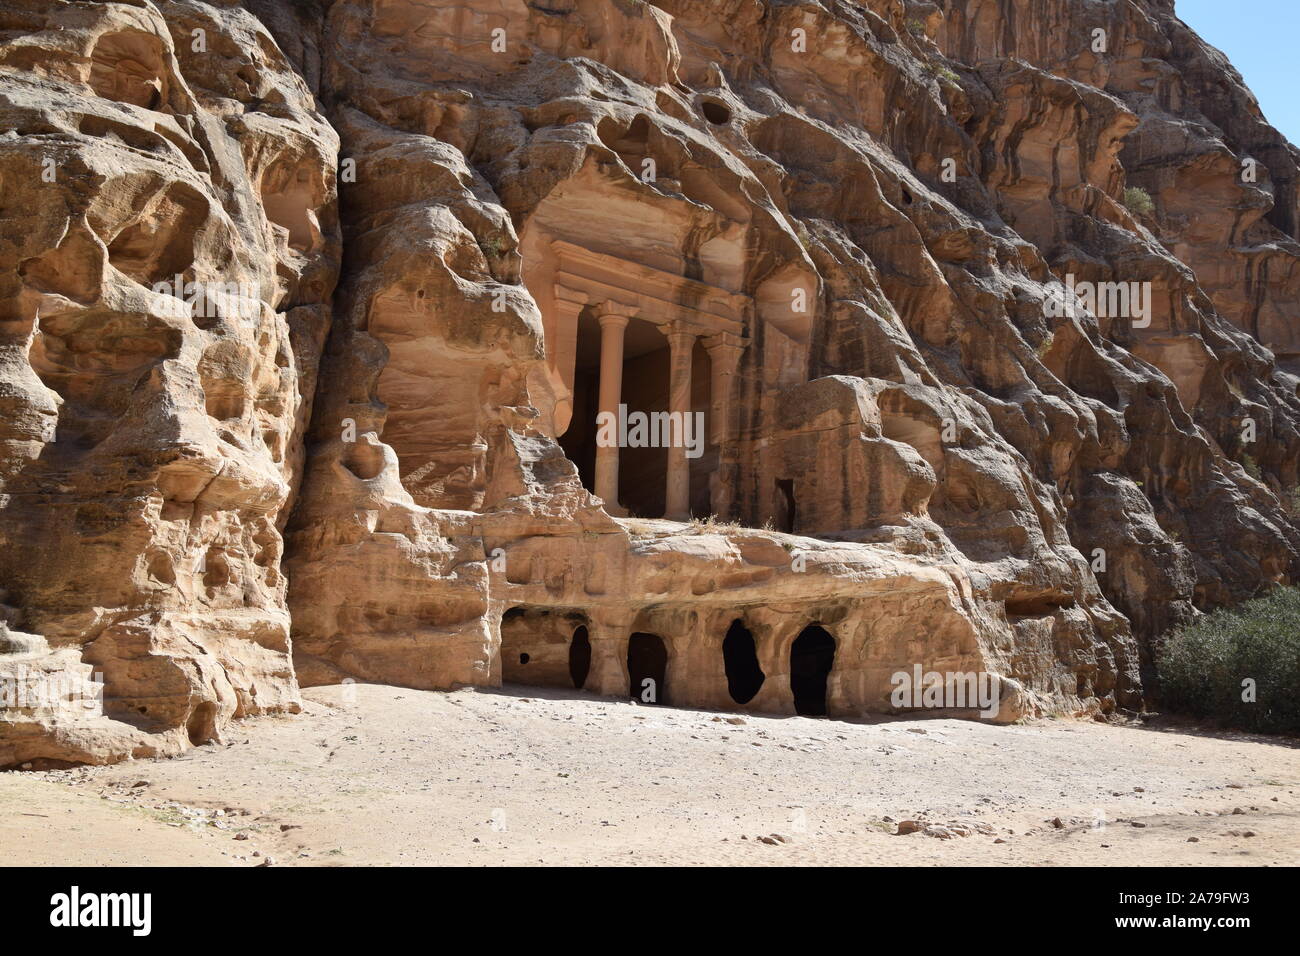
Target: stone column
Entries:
(608, 631)
(678, 493)
(612, 326)
(562, 353)
(724, 359)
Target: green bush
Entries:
(1202, 666)
(1138, 200)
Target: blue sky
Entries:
(1259, 37)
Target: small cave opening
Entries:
(1037, 605)
(785, 519)
(716, 113)
(580, 656)
(907, 195)
(202, 725)
(363, 459)
(647, 667)
(812, 655)
(740, 659)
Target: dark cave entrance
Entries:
(811, 657)
(580, 656)
(785, 503)
(740, 658)
(647, 660)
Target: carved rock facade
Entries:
(833, 233)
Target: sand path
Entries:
(526, 776)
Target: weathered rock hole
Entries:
(716, 113)
(202, 725)
(224, 372)
(290, 196)
(812, 655)
(159, 243)
(127, 67)
(740, 659)
(216, 570)
(364, 461)
(630, 143)
(250, 78)
(787, 509)
(1038, 605)
(72, 270)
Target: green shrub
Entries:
(1202, 666)
(1138, 200)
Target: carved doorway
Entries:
(740, 659)
(579, 656)
(647, 668)
(812, 655)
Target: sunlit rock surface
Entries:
(839, 232)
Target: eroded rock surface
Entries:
(153, 432)
(837, 231)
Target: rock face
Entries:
(310, 310)
(168, 252)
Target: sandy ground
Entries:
(526, 776)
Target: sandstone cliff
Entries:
(838, 231)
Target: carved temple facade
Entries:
(685, 315)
